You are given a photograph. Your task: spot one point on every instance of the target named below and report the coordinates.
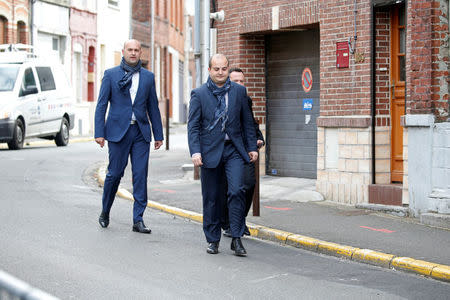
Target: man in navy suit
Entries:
(237, 75)
(222, 139)
(130, 91)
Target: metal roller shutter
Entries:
(292, 130)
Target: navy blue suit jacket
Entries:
(145, 107)
(210, 144)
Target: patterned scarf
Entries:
(125, 82)
(220, 114)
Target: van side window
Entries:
(28, 83)
(46, 78)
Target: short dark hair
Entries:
(239, 70)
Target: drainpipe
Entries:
(31, 20)
(373, 87)
(205, 39)
(197, 53)
(152, 42)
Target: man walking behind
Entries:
(237, 75)
(130, 91)
(218, 117)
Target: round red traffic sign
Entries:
(307, 80)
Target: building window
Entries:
(113, 3)
(3, 30)
(55, 43)
(21, 33)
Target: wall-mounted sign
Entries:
(307, 104)
(307, 80)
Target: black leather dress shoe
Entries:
(213, 248)
(246, 231)
(140, 227)
(237, 247)
(103, 220)
(227, 232)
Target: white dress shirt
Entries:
(133, 91)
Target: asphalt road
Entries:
(50, 238)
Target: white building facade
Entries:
(51, 33)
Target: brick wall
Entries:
(346, 91)
(14, 14)
(427, 89)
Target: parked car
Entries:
(35, 98)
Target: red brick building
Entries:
(169, 36)
(332, 82)
(14, 22)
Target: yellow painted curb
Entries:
(273, 234)
(169, 209)
(303, 242)
(254, 229)
(413, 265)
(335, 249)
(441, 272)
(436, 271)
(373, 257)
(177, 211)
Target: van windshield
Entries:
(8, 75)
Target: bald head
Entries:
(218, 69)
(133, 41)
(132, 52)
(217, 56)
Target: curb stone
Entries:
(390, 261)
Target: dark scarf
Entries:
(125, 82)
(220, 114)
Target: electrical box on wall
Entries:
(342, 55)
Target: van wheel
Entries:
(18, 136)
(62, 138)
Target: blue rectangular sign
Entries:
(307, 104)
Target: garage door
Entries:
(292, 103)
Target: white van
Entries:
(35, 98)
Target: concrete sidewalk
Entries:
(292, 213)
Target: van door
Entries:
(28, 104)
(50, 104)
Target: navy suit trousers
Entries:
(132, 145)
(249, 188)
(230, 173)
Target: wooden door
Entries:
(398, 78)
